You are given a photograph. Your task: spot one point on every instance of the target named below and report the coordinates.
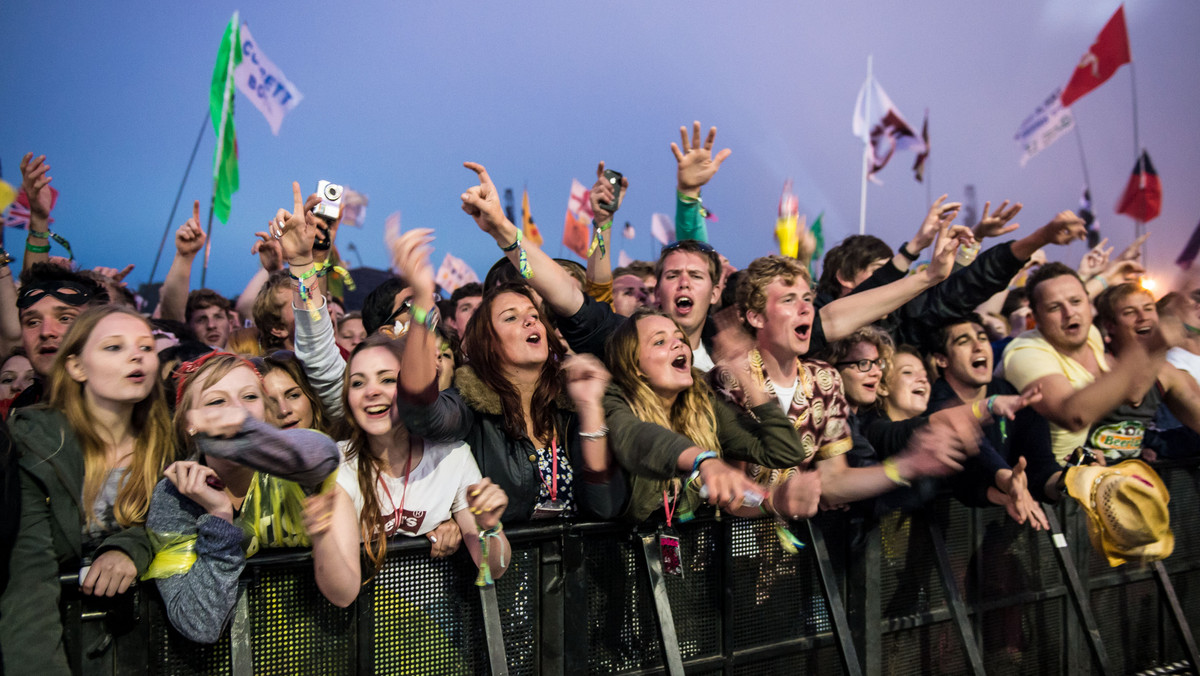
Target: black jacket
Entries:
(471, 412)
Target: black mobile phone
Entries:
(614, 179)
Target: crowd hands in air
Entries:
(173, 445)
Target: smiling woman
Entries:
(89, 462)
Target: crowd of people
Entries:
(172, 443)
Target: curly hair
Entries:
(752, 287)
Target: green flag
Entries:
(818, 245)
(220, 108)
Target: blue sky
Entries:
(397, 95)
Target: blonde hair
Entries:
(153, 447)
(692, 415)
(752, 287)
(245, 342)
(208, 370)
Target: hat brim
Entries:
(1079, 484)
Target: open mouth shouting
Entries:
(803, 331)
(684, 305)
(680, 363)
(534, 338)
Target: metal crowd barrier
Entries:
(950, 590)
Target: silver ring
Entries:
(433, 538)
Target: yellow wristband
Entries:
(892, 472)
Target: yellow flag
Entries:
(7, 195)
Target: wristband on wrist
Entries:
(427, 318)
(45, 248)
(597, 238)
(892, 472)
(485, 570)
(38, 234)
(903, 251)
(37, 248)
(522, 259)
(598, 434)
(706, 455)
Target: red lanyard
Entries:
(552, 485)
(398, 514)
(669, 508)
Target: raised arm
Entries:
(10, 318)
(36, 184)
(418, 363)
(599, 263)
(557, 288)
(697, 166)
(850, 313)
(189, 240)
(270, 255)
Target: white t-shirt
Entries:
(785, 394)
(437, 488)
(1185, 361)
(701, 360)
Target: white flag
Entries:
(580, 202)
(882, 127)
(662, 228)
(1050, 122)
(354, 208)
(263, 83)
(453, 273)
(623, 259)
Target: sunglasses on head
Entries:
(702, 246)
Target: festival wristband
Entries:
(45, 248)
(522, 259)
(892, 472)
(428, 318)
(37, 248)
(597, 238)
(706, 455)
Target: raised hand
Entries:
(270, 253)
(1017, 501)
(586, 379)
(482, 202)
(486, 501)
(445, 539)
(36, 183)
(190, 237)
(1007, 406)
(1094, 261)
(1133, 252)
(293, 230)
(939, 214)
(800, 496)
(1065, 228)
(410, 260)
(602, 193)
(195, 482)
(696, 162)
(996, 224)
(1121, 271)
(113, 273)
(945, 248)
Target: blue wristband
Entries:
(706, 455)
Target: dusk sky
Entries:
(398, 94)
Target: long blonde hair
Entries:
(692, 414)
(154, 444)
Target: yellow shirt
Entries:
(1030, 357)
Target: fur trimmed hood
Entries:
(484, 399)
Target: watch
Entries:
(428, 318)
(912, 258)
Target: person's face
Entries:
(336, 312)
(350, 333)
(664, 357)
(43, 326)
(291, 408)
(861, 387)
(863, 275)
(1063, 312)
(283, 300)
(211, 324)
(118, 363)
(629, 294)
(686, 289)
(967, 361)
(464, 310)
(1190, 303)
(651, 283)
(445, 366)
(15, 376)
(235, 321)
(240, 387)
(907, 387)
(784, 327)
(373, 374)
(520, 331)
(1136, 319)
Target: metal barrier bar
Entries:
(497, 656)
(958, 610)
(652, 566)
(1078, 595)
(841, 625)
(1182, 629)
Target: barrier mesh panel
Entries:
(696, 597)
(928, 649)
(909, 582)
(171, 653)
(822, 661)
(776, 595)
(294, 630)
(1129, 619)
(1024, 639)
(517, 595)
(622, 634)
(1184, 485)
(427, 617)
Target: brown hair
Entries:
(482, 347)
(702, 249)
(1045, 273)
(268, 312)
(288, 363)
(1106, 302)
(153, 448)
(205, 298)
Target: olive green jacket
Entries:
(50, 542)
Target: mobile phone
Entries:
(614, 179)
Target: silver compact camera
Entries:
(331, 201)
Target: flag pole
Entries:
(862, 200)
(178, 195)
(226, 104)
(1137, 150)
(1087, 183)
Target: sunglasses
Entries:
(702, 246)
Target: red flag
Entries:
(1109, 52)
(1143, 194)
(575, 235)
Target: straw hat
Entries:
(1126, 505)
